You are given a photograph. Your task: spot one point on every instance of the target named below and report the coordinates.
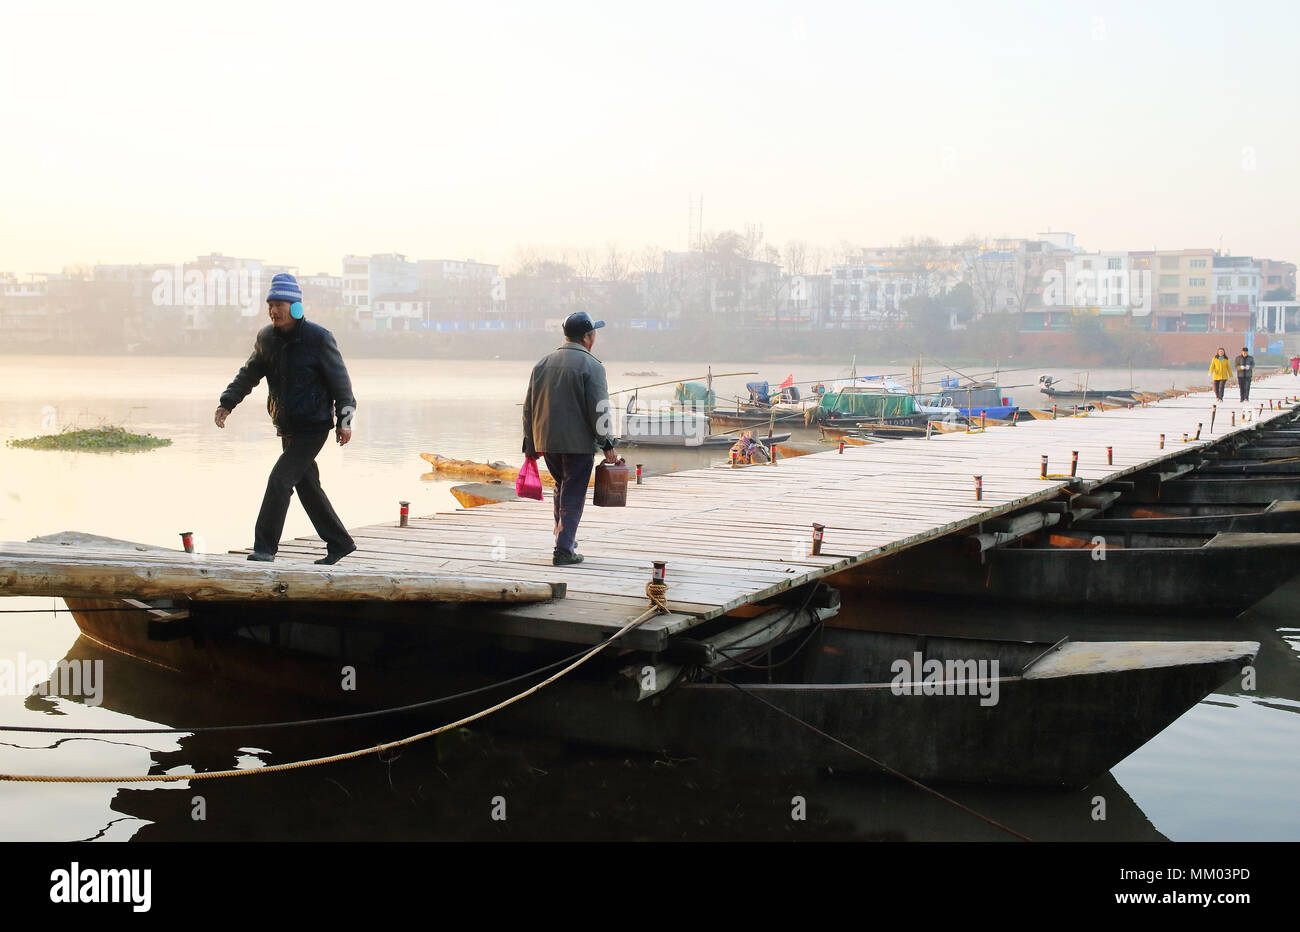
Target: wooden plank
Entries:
(31, 570)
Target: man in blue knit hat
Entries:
(308, 390)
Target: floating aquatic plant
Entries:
(107, 439)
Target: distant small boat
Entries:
(1063, 396)
(679, 429)
(493, 492)
(642, 374)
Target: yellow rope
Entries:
(656, 592)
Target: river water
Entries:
(1221, 772)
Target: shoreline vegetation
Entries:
(107, 439)
(1004, 345)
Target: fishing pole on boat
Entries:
(693, 378)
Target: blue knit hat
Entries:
(284, 287)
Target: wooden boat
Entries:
(678, 429)
(1244, 467)
(751, 416)
(850, 437)
(1184, 574)
(1065, 713)
(1224, 490)
(1277, 518)
(474, 494)
(969, 711)
(445, 467)
(1067, 397)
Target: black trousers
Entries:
(571, 472)
(296, 469)
(1218, 388)
(1243, 386)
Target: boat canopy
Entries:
(867, 404)
(695, 393)
(758, 393)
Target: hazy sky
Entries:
(296, 133)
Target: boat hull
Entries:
(1059, 731)
(1224, 577)
(1060, 721)
(1278, 518)
(1229, 491)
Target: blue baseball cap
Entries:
(579, 324)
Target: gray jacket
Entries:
(567, 407)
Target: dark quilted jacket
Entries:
(307, 384)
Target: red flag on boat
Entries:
(789, 380)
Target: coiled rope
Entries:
(655, 592)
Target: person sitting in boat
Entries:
(1220, 371)
(747, 451)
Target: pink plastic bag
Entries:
(528, 484)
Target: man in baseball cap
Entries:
(578, 324)
(566, 419)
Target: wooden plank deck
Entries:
(736, 536)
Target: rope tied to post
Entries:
(657, 593)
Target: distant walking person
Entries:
(1245, 366)
(1295, 365)
(566, 419)
(305, 376)
(1220, 371)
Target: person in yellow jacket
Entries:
(1220, 371)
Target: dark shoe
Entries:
(331, 558)
(261, 557)
(558, 558)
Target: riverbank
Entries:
(997, 343)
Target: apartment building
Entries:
(1183, 289)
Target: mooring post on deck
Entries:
(1214, 409)
(1074, 462)
(403, 514)
(1162, 441)
(818, 530)
(979, 488)
(1042, 474)
(638, 473)
(187, 541)
(1198, 430)
(1110, 456)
